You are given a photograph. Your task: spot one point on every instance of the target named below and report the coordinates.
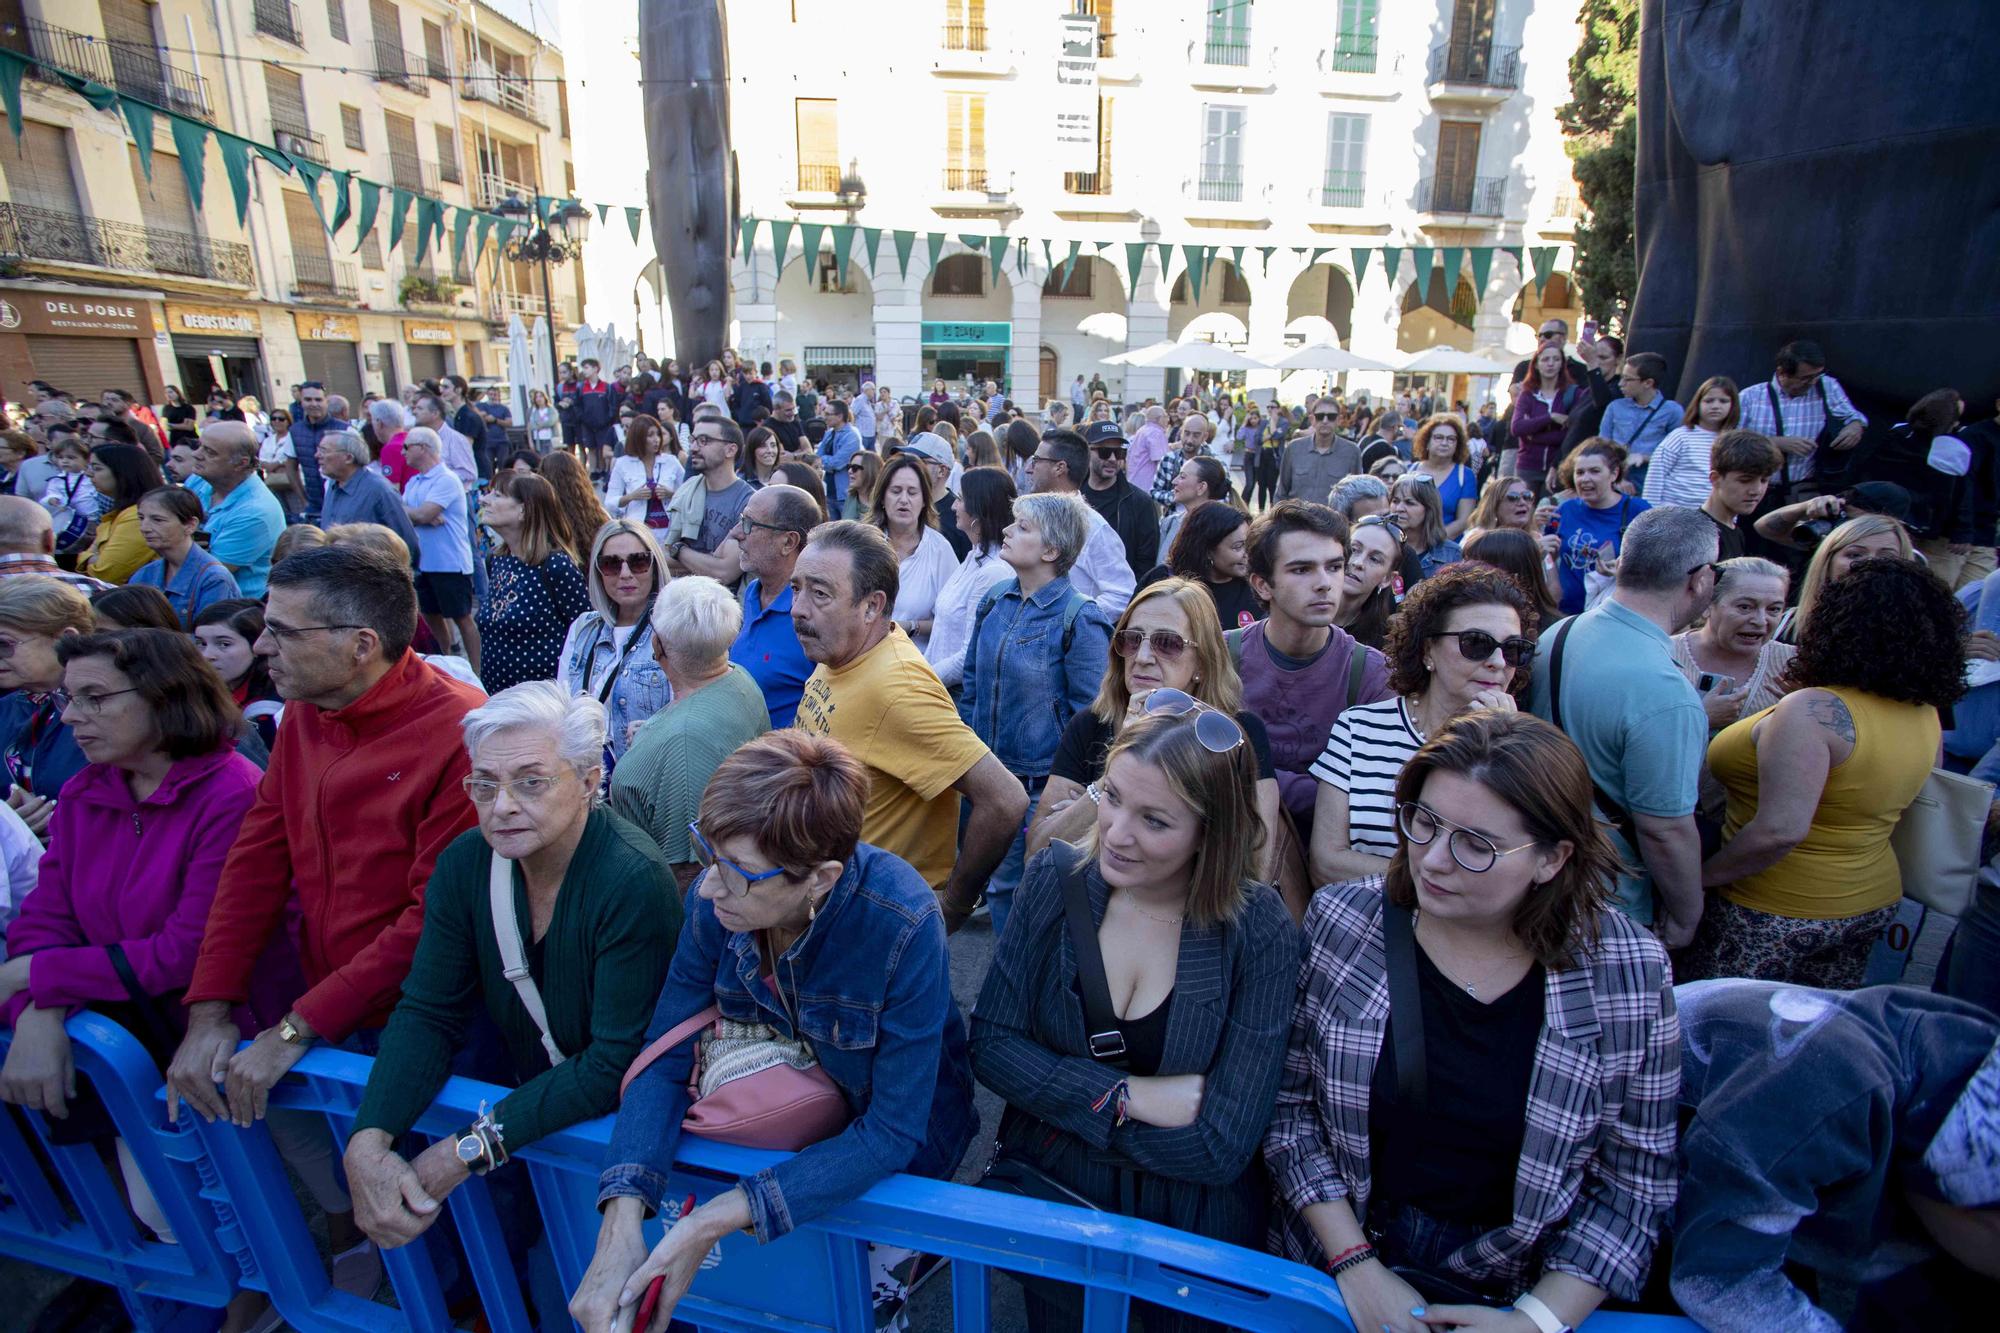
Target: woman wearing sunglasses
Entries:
(1150, 1098)
(1507, 502)
(1167, 639)
(863, 471)
(608, 654)
(795, 926)
(1462, 643)
(1484, 1062)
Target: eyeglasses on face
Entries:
(1476, 645)
(746, 525)
(639, 562)
(1217, 731)
(90, 703)
(485, 791)
(1473, 851)
(710, 859)
(1167, 645)
(285, 634)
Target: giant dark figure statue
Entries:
(690, 167)
(1822, 170)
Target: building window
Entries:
(350, 129)
(1235, 287)
(447, 144)
(1221, 178)
(287, 93)
(1228, 33)
(336, 19)
(436, 63)
(965, 142)
(829, 277)
(1098, 181)
(818, 126)
(37, 171)
(1079, 284)
(371, 252)
(1355, 44)
(960, 275)
(1346, 161)
(965, 25)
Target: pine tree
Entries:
(1599, 121)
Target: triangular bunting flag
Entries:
(282, 161)
(480, 231)
(603, 214)
(1166, 258)
(371, 203)
(12, 67)
(343, 207)
(100, 97)
(1317, 253)
(1482, 268)
(1135, 259)
(1454, 263)
(310, 173)
(1197, 271)
(236, 166)
(1267, 251)
(903, 240)
(399, 213)
(1362, 254)
(1392, 259)
(632, 222)
(1421, 256)
(139, 119)
(1021, 257)
(996, 253)
(809, 237)
(1544, 257)
(843, 243)
(1236, 257)
(1102, 246)
(971, 242)
(935, 241)
(503, 232)
(781, 237)
(430, 225)
(871, 243)
(1520, 264)
(748, 245)
(542, 202)
(1069, 263)
(460, 226)
(1048, 254)
(191, 142)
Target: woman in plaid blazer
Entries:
(1530, 1161)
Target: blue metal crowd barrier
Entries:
(229, 1199)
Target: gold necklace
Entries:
(1174, 920)
(1469, 987)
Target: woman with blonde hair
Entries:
(535, 589)
(36, 614)
(1415, 501)
(1169, 638)
(903, 510)
(1858, 539)
(864, 472)
(608, 651)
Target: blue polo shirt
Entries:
(1637, 720)
(200, 582)
(367, 497)
(243, 529)
(768, 648)
(442, 548)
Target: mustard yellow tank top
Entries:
(1844, 867)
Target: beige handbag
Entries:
(1937, 841)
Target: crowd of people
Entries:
(1347, 788)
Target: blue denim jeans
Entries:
(1014, 866)
(1415, 1243)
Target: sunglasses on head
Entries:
(1389, 521)
(639, 562)
(1167, 645)
(1217, 731)
(1476, 645)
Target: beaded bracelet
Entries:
(1352, 1257)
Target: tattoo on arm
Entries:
(1831, 713)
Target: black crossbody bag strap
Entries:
(1621, 819)
(1101, 1034)
(1406, 1006)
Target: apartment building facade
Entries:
(118, 280)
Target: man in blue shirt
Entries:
(354, 494)
(770, 534)
(836, 450)
(310, 421)
(436, 504)
(1636, 718)
(244, 518)
(1641, 418)
(864, 414)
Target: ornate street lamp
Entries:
(560, 241)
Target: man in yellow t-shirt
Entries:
(872, 691)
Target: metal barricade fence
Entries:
(229, 1199)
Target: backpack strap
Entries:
(1357, 666)
(1234, 639)
(1620, 818)
(513, 958)
(1071, 610)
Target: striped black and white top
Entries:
(1366, 749)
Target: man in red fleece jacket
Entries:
(362, 794)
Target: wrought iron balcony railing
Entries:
(70, 238)
(130, 68)
(1481, 64)
(413, 173)
(320, 278)
(1475, 196)
(973, 179)
(964, 37)
(1342, 189)
(1226, 49)
(819, 177)
(1221, 185)
(1353, 53)
(397, 64)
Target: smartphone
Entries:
(1590, 330)
(1708, 682)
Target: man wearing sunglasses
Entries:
(1129, 510)
(1314, 463)
(1553, 332)
(874, 692)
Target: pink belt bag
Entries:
(750, 1086)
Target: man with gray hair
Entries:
(355, 492)
(337, 409)
(1608, 679)
(1148, 449)
(28, 545)
(717, 707)
(453, 447)
(244, 518)
(770, 533)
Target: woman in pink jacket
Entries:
(1541, 414)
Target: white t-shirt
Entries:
(923, 577)
(629, 474)
(1365, 751)
(276, 450)
(951, 621)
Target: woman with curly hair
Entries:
(1461, 643)
(1806, 879)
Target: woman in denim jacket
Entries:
(609, 652)
(796, 925)
(1038, 652)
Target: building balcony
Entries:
(1476, 72)
(510, 94)
(1218, 194)
(1462, 196)
(967, 180)
(1219, 185)
(413, 173)
(1097, 183)
(502, 305)
(1351, 53)
(492, 190)
(964, 37)
(1343, 189)
(44, 235)
(318, 278)
(397, 66)
(1230, 64)
(1226, 49)
(819, 178)
(299, 143)
(277, 18)
(968, 49)
(129, 68)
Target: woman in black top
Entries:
(1212, 549)
(179, 414)
(1199, 964)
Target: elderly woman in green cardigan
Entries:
(587, 901)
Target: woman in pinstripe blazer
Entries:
(1532, 1162)
(1200, 963)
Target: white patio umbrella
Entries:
(1325, 356)
(520, 367)
(540, 372)
(1451, 361)
(1131, 357)
(1198, 356)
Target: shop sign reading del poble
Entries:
(78, 315)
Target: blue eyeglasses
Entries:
(711, 858)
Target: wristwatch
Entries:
(292, 1034)
(480, 1147)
